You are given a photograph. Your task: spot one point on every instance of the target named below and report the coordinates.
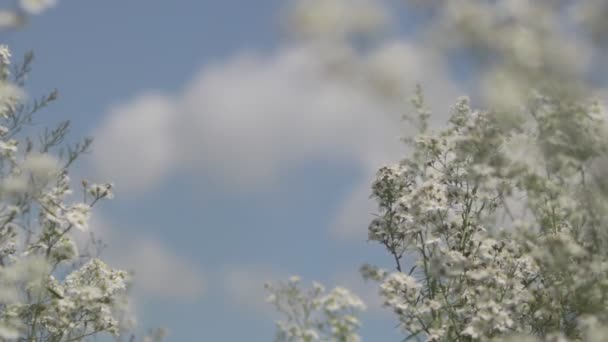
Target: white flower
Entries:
(330, 316)
(101, 190)
(9, 333)
(9, 19)
(470, 331)
(323, 19)
(78, 215)
(36, 6)
(10, 95)
(42, 167)
(5, 55)
(34, 239)
(9, 146)
(271, 298)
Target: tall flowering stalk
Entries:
(49, 289)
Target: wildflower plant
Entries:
(504, 241)
(495, 222)
(315, 315)
(49, 289)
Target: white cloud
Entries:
(244, 121)
(135, 146)
(160, 273)
(253, 116)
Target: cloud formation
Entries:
(136, 147)
(161, 273)
(242, 121)
(245, 121)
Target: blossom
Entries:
(10, 95)
(36, 6)
(337, 18)
(41, 292)
(5, 55)
(315, 315)
(100, 190)
(439, 205)
(78, 215)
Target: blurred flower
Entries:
(36, 6)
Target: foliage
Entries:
(50, 290)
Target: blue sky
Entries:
(235, 160)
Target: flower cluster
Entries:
(496, 222)
(315, 315)
(502, 244)
(49, 289)
(517, 45)
(337, 19)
